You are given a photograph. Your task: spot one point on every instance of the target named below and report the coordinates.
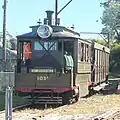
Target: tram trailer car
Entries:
(47, 79)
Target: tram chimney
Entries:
(49, 16)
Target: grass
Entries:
(16, 101)
(114, 75)
(2, 101)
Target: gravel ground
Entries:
(83, 109)
(93, 105)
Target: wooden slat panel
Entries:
(83, 67)
(82, 80)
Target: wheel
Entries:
(65, 99)
(32, 99)
(91, 92)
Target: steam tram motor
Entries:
(51, 77)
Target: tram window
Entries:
(47, 45)
(54, 47)
(82, 51)
(79, 52)
(87, 55)
(60, 46)
(37, 46)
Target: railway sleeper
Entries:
(68, 97)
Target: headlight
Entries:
(44, 31)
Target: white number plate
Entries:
(42, 78)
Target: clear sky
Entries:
(23, 13)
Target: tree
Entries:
(115, 58)
(108, 3)
(111, 21)
(111, 18)
(8, 45)
(102, 42)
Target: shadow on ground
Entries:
(114, 79)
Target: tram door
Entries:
(68, 46)
(21, 63)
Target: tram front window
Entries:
(45, 46)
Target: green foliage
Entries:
(10, 65)
(111, 19)
(102, 42)
(13, 43)
(8, 45)
(114, 55)
(115, 58)
(111, 16)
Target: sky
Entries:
(24, 13)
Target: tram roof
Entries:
(58, 32)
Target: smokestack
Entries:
(49, 16)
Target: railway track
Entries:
(52, 111)
(108, 115)
(18, 108)
(21, 107)
(44, 110)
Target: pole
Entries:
(4, 37)
(56, 10)
(8, 103)
(104, 33)
(108, 40)
(64, 7)
(93, 33)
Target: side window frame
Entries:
(84, 52)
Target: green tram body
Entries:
(45, 78)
